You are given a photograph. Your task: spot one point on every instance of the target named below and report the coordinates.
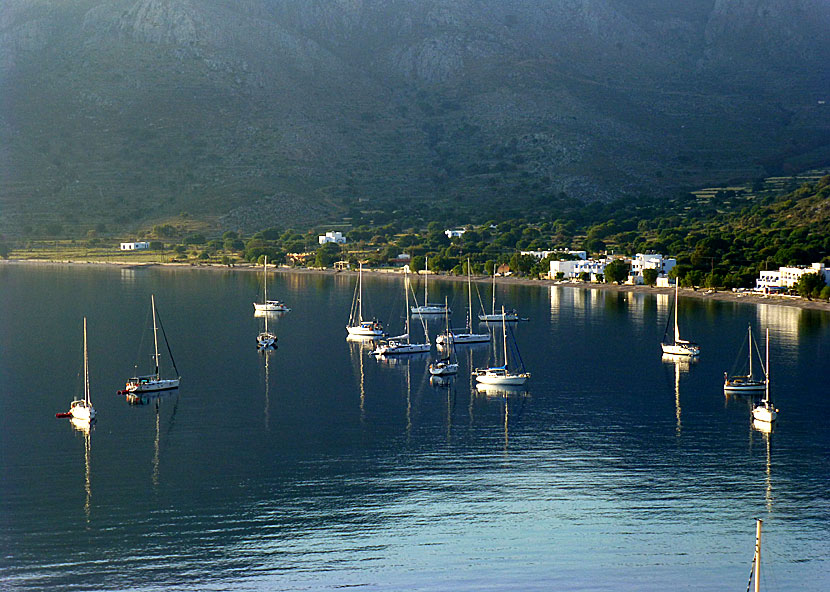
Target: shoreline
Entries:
(724, 296)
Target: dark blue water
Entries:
(317, 467)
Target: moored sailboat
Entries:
(466, 335)
(493, 316)
(357, 327)
(154, 382)
(268, 305)
(429, 307)
(678, 346)
(401, 344)
(81, 410)
(764, 411)
(445, 366)
(744, 383)
(501, 375)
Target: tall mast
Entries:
(265, 282)
(155, 334)
(86, 368)
(757, 560)
(749, 347)
(406, 292)
(494, 288)
(360, 293)
(504, 332)
(426, 276)
(766, 375)
(676, 326)
(469, 299)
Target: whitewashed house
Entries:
(643, 261)
(138, 246)
(572, 269)
(455, 233)
(785, 278)
(332, 237)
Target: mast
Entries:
(155, 334)
(757, 560)
(676, 326)
(766, 376)
(494, 288)
(360, 293)
(504, 332)
(749, 347)
(406, 295)
(86, 368)
(426, 274)
(265, 282)
(469, 299)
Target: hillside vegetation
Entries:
(291, 112)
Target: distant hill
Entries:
(254, 113)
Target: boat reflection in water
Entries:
(85, 428)
(682, 365)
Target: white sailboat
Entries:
(445, 366)
(493, 316)
(429, 307)
(357, 327)
(268, 305)
(266, 339)
(744, 383)
(81, 410)
(401, 344)
(764, 411)
(154, 382)
(501, 375)
(678, 346)
(465, 335)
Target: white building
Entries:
(135, 246)
(542, 254)
(332, 237)
(572, 269)
(643, 261)
(787, 277)
(455, 233)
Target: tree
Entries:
(807, 283)
(616, 271)
(584, 276)
(650, 276)
(327, 254)
(417, 264)
(4, 250)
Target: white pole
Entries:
(749, 347)
(469, 299)
(155, 333)
(406, 292)
(504, 332)
(758, 556)
(766, 372)
(86, 368)
(360, 293)
(676, 326)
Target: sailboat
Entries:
(401, 344)
(501, 375)
(764, 411)
(445, 366)
(81, 410)
(429, 307)
(465, 335)
(744, 383)
(357, 327)
(493, 316)
(266, 339)
(268, 305)
(678, 347)
(154, 382)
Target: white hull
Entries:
(462, 338)
(396, 349)
(680, 349)
(764, 414)
(502, 379)
(151, 386)
(437, 309)
(443, 369)
(498, 317)
(80, 411)
(365, 331)
(748, 387)
(270, 306)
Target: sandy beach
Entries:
(391, 273)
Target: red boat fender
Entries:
(67, 414)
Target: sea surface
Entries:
(319, 467)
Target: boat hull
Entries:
(508, 380)
(80, 411)
(497, 318)
(680, 349)
(429, 310)
(397, 349)
(753, 386)
(270, 306)
(361, 331)
(153, 386)
(443, 369)
(764, 414)
(462, 338)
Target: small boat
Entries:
(357, 327)
(429, 307)
(495, 317)
(501, 375)
(678, 346)
(764, 411)
(465, 335)
(81, 410)
(154, 382)
(401, 344)
(268, 305)
(445, 366)
(744, 383)
(266, 339)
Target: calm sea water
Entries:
(317, 467)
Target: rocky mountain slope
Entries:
(255, 113)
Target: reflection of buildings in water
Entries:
(555, 301)
(681, 365)
(597, 297)
(782, 322)
(85, 428)
(636, 306)
(664, 303)
(127, 276)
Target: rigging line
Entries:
(668, 321)
(161, 326)
(515, 348)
